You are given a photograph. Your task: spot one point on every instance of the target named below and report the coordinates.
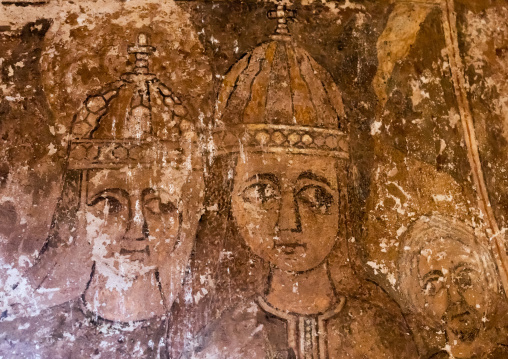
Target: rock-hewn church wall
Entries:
(253, 179)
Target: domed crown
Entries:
(132, 121)
(278, 97)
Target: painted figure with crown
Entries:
(124, 228)
(281, 144)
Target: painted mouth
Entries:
(290, 248)
(461, 316)
(465, 326)
(134, 253)
(465, 322)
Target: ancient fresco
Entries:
(248, 179)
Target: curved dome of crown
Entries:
(128, 109)
(134, 120)
(279, 83)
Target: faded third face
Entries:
(454, 287)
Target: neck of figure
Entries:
(305, 293)
(125, 300)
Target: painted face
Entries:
(453, 287)
(286, 207)
(132, 218)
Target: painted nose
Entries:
(288, 214)
(454, 293)
(137, 228)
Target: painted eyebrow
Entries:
(463, 264)
(265, 176)
(432, 273)
(312, 176)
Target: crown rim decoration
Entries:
(281, 138)
(139, 145)
(90, 153)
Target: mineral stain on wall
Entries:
(250, 179)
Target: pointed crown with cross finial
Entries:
(132, 121)
(282, 14)
(277, 97)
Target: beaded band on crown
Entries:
(90, 153)
(282, 138)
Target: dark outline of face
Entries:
(461, 318)
(135, 242)
(311, 199)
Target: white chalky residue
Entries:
(442, 146)
(200, 295)
(375, 127)
(382, 268)
(17, 297)
(24, 326)
(401, 230)
(418, 94)
(442, 197)
(69, 337)
(118, 270)
(257, 329)
(392, 172)
(52, 149)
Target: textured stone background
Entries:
(389, 58)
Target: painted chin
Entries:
(290, 257)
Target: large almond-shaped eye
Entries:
(155, 206)
(316, 197)
(433, 285)
(463, 279)
(107, 203)
(261, 193)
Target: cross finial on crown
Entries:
(142, 50)
(282, 14)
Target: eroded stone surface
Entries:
(231, 179)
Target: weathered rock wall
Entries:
(238, 243)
